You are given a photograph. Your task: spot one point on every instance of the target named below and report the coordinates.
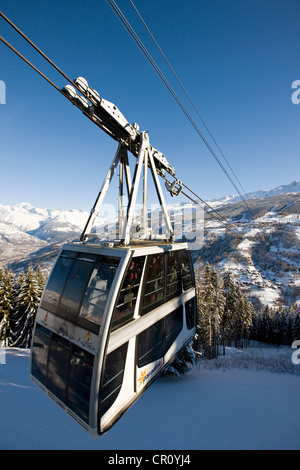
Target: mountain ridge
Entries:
(264, 255)
(293, 187)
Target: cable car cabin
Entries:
(109, 321)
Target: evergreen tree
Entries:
(296, 326)
(23, 317)
(41, 279)
(229, 315)
(210, 308)
(278, 326)
(242, 320)
(248, 312)
(183, 362)
(217, 310)
(289, 325)
(6, 304)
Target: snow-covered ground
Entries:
(251, 401)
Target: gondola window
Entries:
(79, 286)
(112, 377)
(186, 274)
(190, 313)
(58, 280)
(128, 296)
(155, 284)
(173, 326)
(173, 275)
(40, 348)
(79, 383)
(151, 343)
(98, 289)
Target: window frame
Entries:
(68, 350)
(147, 308)
(103, 404)
(181, 287)
(191, 313)
(164, 344)
(58, 309)
(124, 320)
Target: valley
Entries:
(260, 245)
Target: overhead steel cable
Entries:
(34, 46)
(187, 95)
(38, 50)
(109, 130)
(219, 217)
(212, 212)
(30, 64)
(136, 38)
(101, 125)
(138, 41)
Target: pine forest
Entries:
(225, 316)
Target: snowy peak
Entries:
(29, 218)
(293, 187)
(25, 229)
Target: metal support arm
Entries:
(145, 159)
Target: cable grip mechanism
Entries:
(174, 188)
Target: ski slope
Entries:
(206, 409)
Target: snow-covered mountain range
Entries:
(25, 230)
(293, 187)
(263, 250)
(30, 219)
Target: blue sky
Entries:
(236, 58)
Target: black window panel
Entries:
(173, 326)
(64, 368)
(154, 293)
(151, 344)
(58, 367)
(191, 313)
(98, 289)
(154, 342)
(186, 271)
(79, 287)
(40, 348)
(76, 285)
(79, 383)
(58, 280)
(127, 299)
(112, 377)
(173, 287)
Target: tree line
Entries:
(225, 316)
(19, 299)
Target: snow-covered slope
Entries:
(209, 409)
(264, 258)
(293, 187)
(264, 255)
(24, 229)
(28, 218)
(16, 244)
(261, 247)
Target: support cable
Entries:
(212, 212)
(38, 50)
(186, 93)
(30, 64)
(175, 96)
(60, 91)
